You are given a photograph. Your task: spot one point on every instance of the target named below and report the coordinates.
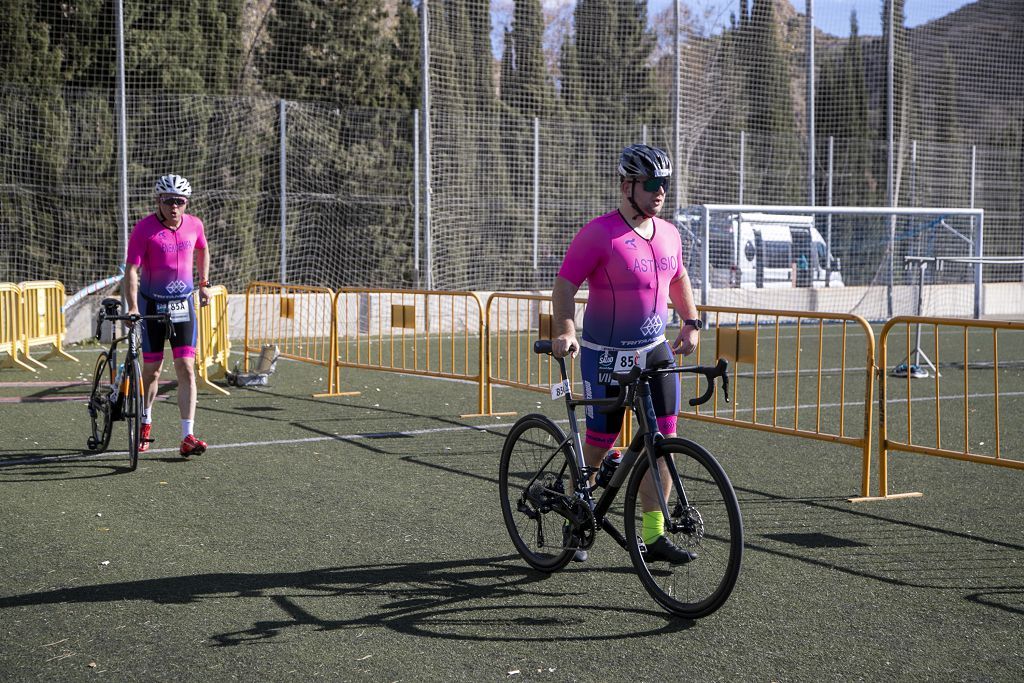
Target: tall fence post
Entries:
(416, 197)
(810, 103)
(283, 182)
(536, 189)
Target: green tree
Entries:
(774, 160)
(34, 144)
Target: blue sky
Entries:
(833, 16)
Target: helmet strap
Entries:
(632, 202)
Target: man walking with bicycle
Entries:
(159, 281)
(632, 263)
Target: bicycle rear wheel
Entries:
(133, 411)
(535, 465)
(708, 525)
(100, 417)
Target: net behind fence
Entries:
(529, 104)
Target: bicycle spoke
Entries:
(535, 472)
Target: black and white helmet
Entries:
(173, 184)
(642, 161)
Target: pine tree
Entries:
(34, 143)
(774, 161)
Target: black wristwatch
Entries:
(697, 324)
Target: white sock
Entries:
(186, 428)
(147, 416)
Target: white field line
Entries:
(438, 430)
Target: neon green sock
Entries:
(654, 526)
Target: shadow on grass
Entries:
(486, 599)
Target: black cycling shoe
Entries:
(664, 550)
(569, 542)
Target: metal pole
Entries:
(536, 189)
(889, 173)
(416, 197)
(705, 273)
(677, 132)
(743, 162)
(913, 173)
(810, 102)
(828, 219)
(643, 134)
(283, 182)
(977, 247)
(426, 141)
(122, 123)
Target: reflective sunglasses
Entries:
(654, 184)
(174, 201)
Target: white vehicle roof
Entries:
(775, 218)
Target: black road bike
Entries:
(117, 391)
(551, 508)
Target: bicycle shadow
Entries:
(59, 464)
(429, 599)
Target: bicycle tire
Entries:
(699, 587)
(535, 450)
(133, 411)
(100, 417)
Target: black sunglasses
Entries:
(174, 201)
(654, 184)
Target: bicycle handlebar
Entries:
(631, 378)
(131, 319)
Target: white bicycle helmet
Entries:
(173, 184)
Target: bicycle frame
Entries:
(636, 390)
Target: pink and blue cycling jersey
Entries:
(629, 279)
(165, 256)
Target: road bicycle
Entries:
(549, 503)
(117, 394)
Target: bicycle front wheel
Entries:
(705, 520)
(100, 417)
(535, 467)
(133, 411)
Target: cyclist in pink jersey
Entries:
(158, 278)
(632, 263)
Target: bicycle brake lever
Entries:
(725, 386)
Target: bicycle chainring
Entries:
(583, 523)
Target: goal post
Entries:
(842, 259)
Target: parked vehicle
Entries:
(761, 250)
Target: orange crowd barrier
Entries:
(43, 320)
(969, 382)
(415, 332)
(213, 350)
(298, 319)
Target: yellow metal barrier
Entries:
(514, 321)
(973, 346)
(213, 344)
(11, 325)
(43, 318)
(417, 332)
(767, 353)
(298, 319)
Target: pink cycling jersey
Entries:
(165, 256)
(629, 279)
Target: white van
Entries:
(762, 250)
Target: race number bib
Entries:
(178, 311)
(627, 360)
(559, 390)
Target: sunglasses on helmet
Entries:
(654, 184)
(174, 201)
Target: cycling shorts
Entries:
(596, 367)
(156, 332)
